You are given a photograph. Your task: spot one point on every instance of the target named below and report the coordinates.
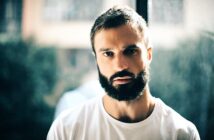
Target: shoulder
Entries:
(173, 121)
(79, 112)
(71, 120)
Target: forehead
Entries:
(123, 35)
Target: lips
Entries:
(122, 80)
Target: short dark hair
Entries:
(117, 16)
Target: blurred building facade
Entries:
(67, 23)
(175, 20)
(64, 23)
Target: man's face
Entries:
(123, 61)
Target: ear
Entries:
(93, 53)
(149, 54)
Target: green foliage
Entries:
(27, 73)
(183, 78)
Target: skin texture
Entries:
(118, 49)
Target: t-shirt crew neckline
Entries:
(142, 123)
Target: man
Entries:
(127, 111)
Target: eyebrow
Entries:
(104, 49)
(132, 46)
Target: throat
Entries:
(129, 112)
(129, 120)
(134, 116)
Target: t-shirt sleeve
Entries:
(62, 127)
(196, 135)
(190, 133)
(55, 131)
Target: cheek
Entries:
(104, 69)
(138, 63)
(144, 60)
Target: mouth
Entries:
(122, 80)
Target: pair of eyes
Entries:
(126, 52)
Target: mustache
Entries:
(121, 74)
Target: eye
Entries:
(108, 54)
(130, 51)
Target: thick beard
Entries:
(125, 92)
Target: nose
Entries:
(120, 63)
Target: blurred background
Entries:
(46, 64)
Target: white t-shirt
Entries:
(92, 122)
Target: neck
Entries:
(130, 111)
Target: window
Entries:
(65, 10)
(167, 11)
(10, 15)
